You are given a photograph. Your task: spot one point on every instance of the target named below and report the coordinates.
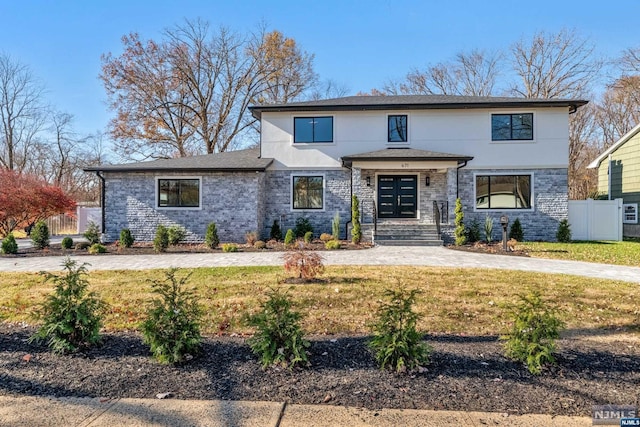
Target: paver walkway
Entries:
(380, 255)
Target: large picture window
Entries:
(313, 129)
(179, 193)
(308, 192)
(511, 127)
(397, 128)
(503, 191)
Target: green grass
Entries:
(469, 301)
(619, 253)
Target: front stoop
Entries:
(404, 234)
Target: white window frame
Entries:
(324, 192)
(311, 144)
(180, 208)
(634, 220)
(514, 141)
(489, 173)
(398, 143)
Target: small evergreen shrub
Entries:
(172, 326)
(260, 245)
(515, 232)
(279, 338)
(304, 264)
(229, 247)
(396, 343)
(356, 230)
(302, 227)
(71, 316)
(40, 235)
(325, 237)
(9, 245)
(161, 241)
(80, 246)
(97, 248)
(92, 234)
(308, 237)
(211, 237)
(276, 232)
(176, 234)
(126, 239)
(459, 231)
(66, 243)
(563, 235)
(251, 237)
(289, 238)
(335, 226)
(488, 228)
(332, 245)
(473, 232)
(533, 334)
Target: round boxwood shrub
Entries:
(66, 243)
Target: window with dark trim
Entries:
(397, 128)
(179, 193)
(512, 127)
(503, 191)
(312, 129)
(308, 192)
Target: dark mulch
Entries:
(466, 373)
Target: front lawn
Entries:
(620, 253)
(462, 301)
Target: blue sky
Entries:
(359, 44)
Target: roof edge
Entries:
(596, 163)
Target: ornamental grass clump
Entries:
(279, 338)
(289, 238)
(172, 326)
(534, 332)
(396, 344)
(71, 316)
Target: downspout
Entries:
(102, 199)
(458, 178)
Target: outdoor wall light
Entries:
(427, 181)
(368, 181)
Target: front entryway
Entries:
(397, 196)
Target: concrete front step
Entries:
(389, 242)
(404, 234)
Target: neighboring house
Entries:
(407, 158)
(619, 177)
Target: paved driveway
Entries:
(380, 255)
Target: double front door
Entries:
(397, 196)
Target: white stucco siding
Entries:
(465, 132)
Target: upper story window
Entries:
(503, 191)
(397, 130)
(179, 193)
(512, 127)
(313, 129)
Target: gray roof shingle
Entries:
(403, 154)
(241, 160)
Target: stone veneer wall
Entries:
(550, 189)
(230, 199)
(278, 194)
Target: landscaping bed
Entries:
(466, 373)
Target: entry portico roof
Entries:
(404, 154)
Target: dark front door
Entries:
(397, 196)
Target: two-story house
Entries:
(406, 158)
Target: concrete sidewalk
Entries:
(96, 412)
(380, 255)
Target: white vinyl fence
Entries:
(596, 219)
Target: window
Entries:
(397, 128)
(503, 191)
(630, 213)
(511, 127)
(308, 192)
(179, 193)
(313, 129)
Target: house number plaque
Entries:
(404, 165)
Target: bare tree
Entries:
(584, 147)
(22, 113)
(619, 109)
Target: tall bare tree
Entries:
(190, 92)
(22, 113)
(619, 108)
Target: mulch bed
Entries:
(489, 248)
(466, 373)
